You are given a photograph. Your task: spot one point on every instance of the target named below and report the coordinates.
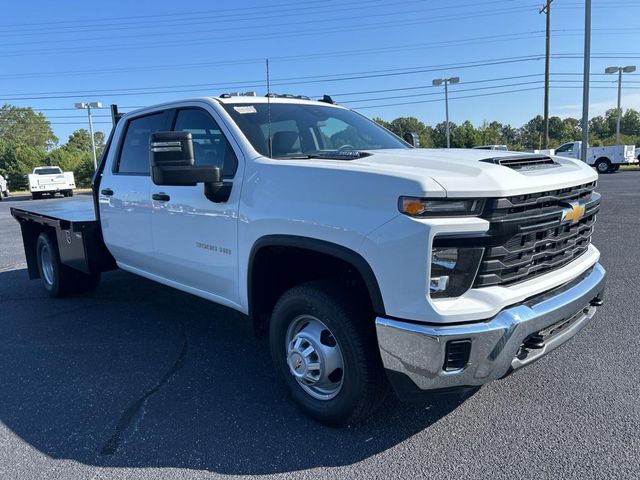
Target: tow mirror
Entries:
(173, 163)
(412, 139)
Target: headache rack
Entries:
(528, 237)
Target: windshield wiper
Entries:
(350, 155)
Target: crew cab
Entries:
(366, 262)
(49, 181)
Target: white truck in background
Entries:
(4, 189)
(49, 181)
(604, 159)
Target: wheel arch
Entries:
(292, 246)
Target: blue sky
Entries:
(367, 54)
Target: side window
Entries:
(565, 148)
(210, 146)
(134, 156)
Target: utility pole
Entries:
(547, 10)
(436, 83)
(585, 81)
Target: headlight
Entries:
(453, 270)
(424, 207)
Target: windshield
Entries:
(48, 171)
(303, 130)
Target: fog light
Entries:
(453, 270)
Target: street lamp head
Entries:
(85, 105)
(611, 70)
(454, 80)
(437, 82)
(629, 69)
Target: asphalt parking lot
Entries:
(137, 380)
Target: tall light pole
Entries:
(619, 71)
(585, 80)
(436, 83)
(547, 10)
(88, 106)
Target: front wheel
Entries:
(603, 165)
(325, 350)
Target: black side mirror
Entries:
(173, 163)
(412, 139)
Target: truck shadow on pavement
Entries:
(139, 375)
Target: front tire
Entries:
(325, 349)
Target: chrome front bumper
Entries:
(418, 351)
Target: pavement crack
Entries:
(136, 410)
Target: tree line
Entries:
(27, 140)
(602, 131)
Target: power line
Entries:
(234, 28)
(406, 47)
(80, 122)
(236, 39)
(201, 18)
(284, 58)
(163, 15)
(280, 82)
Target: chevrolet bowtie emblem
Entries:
(573, 213)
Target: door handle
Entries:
(161, 197)
(106, 191)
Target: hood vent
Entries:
(523, 162)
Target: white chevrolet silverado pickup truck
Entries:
(365, 261)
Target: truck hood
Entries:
(466, 173)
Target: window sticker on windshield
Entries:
(245, 109)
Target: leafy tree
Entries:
(382, 122)
(402, 125)
(630, 123)
(22, 126)
(80, 141)
(17, 160)
(439, 134)
(465, 136)
(530, 134)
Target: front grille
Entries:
(528, 237)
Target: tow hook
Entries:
(596, 302)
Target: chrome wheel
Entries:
(46, 263)
(314, 357)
